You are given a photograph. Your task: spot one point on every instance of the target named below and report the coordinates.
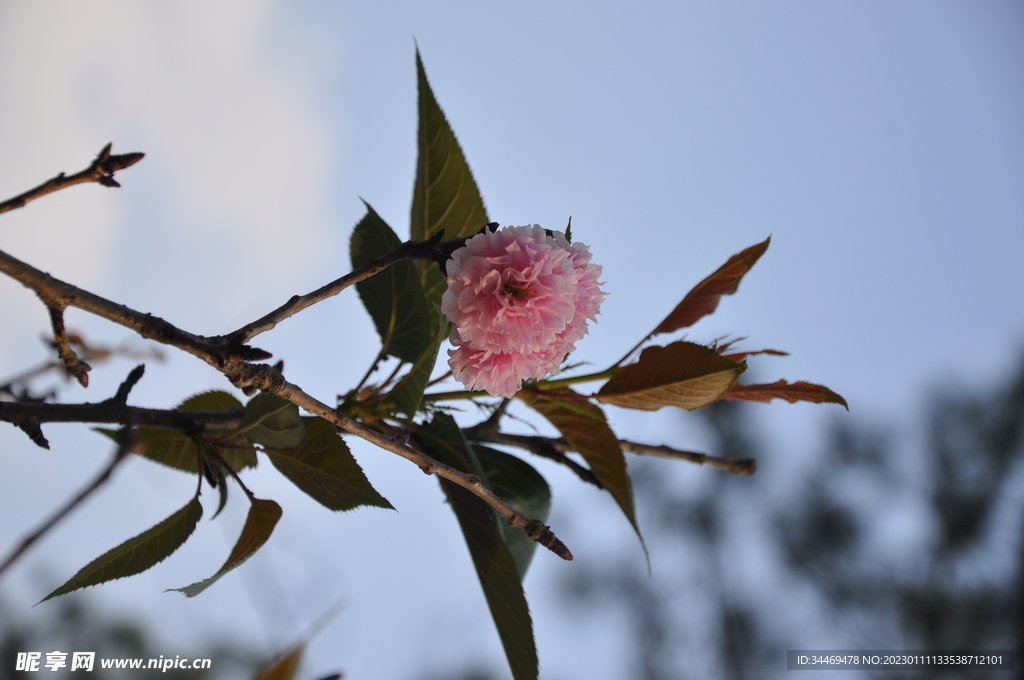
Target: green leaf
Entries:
(259, 525)
(325, 469)
(408, 393)
(683, 374)
(138, 554)
(222, 488)
(214, 400)
(167, 447)
(495, 566)
(238, 458)
(174, 449)
(394, 297)
(584, 426)
(445, 195)
(273, 422)
(514, 481)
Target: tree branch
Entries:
(543, 446)
(487, 431)
(744, 466)
(75, 367)
(57, 294)
(30, 415)
(101, 170)
(434, 250)
(263, 377)
(232, 358)
(20, 413)
(125, 442)
(27, 542)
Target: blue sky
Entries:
(881, 145)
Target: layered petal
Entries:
(519, 299)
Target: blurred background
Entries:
(881, 145)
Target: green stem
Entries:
(545, 385)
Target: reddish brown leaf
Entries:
(683, 374)
(791, 392)
(740, 356)
(584, 426)
(704, 297)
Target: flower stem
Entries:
(544, 385)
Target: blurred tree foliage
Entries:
(875, 545)
(74, 625)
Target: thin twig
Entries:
(127, 440)
(231, 471)
(74, 366)
(56, 293)
(374, 365)
(434, 250)
(744, 466)
(487, 431)
(439, 379)
(27, 375)
(261, 377)
(542, 445)
(101, 170)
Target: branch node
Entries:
(72, 364)
(101, 170)
(542, 533)
(30, 426)
(121, 396)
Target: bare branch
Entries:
(745, 466)
(544, 447)
(434, 250)
(75, 367)
(37, 413)
(263, 377)
(57, 294)
(230, 356)
(101, 170)
(30, 415)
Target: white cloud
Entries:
(236, 151)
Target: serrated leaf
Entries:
(176, 450)
(272, 422)
(259, 525)
(408, 393)
(445, 195)
(167, 447)
(238, 458)
(394, 297)
(214, 400)
(495, 566)
(584, 426)
(683, 374)
(283, 668)
(323, 467)
(138, 554)
(791, 392)
(704, 297)
(517, 483)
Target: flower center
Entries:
(518, 293)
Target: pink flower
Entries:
(519, 299)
